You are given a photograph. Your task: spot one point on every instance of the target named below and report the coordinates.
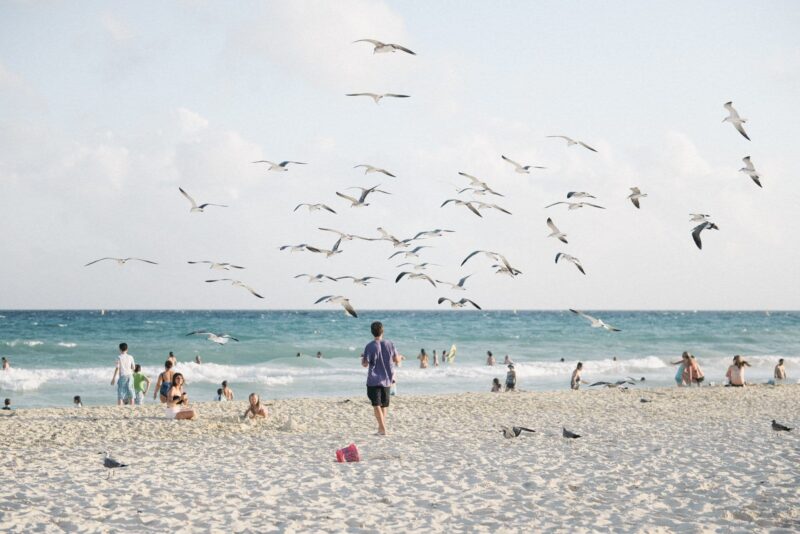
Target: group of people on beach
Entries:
(424, 359)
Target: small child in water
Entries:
(496, 386)
(220, 396)
(7, 404)
(76, 401)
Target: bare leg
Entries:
(379, 416)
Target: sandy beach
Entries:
(691, 460)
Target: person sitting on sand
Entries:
(682, 366)
(228, 392)
(735, 373)
(780, 372)
(255, 409)
(575, 381)
(423, 359)
(6, 364)
(141, 383)
(76, 401)
(496, 386)
(490, 361)
(7, 404)
(511, 378)
(164, 382)
(178, 403)
(694, 374)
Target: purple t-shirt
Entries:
(379, 355)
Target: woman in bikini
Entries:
(164, 382)
(694, 374)
(255, 409)
(178, 400)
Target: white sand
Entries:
(692, 460)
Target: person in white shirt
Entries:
(124, 369)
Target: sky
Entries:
(106, 108)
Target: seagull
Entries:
(363, 281)
(316, 278)
(616, 384)
(575, 205)
(567, 434)
(121, 261)
(283, 166)
(338, 299)
(635, 195)
(555, 232)
(596, 323)
(699, 228)
(734, 118)
(195, 208)
(458, 202)
(431, 233)
(458, 304)
(418, 266)
(219, 339)
(478, 183)
(236, 283)
(494, 256)
(519, 168)
(702, 217)
(413, 253)
(750, 171)
(514, 431)
(369, 168)
(777, 427)
(477, 191)
(484, 206)
(217, 266)
(643, 400)
(315, 207)
(570, 142)
(415, 276)
(382, 48)
(459, 286)
(328, 253)
(502, 269)
(345, 237)
(377, 97)
(579, 194)
(386, 236)
(111, 463)
(571, 259)
(295, 248)
(360, 202)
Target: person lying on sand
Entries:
(255, 409)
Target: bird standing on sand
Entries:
(777, 427)
(514, 431)
(569, 435)
(110, 463)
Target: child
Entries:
(496, 387)
(255, 409)
(220, 395)
(7, 404)
(141, 383)
(511, 378)
(76, 401)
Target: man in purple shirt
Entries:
(379, 358)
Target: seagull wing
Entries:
(403, 48)
(373, 41)
(266, 161)
(635, 201)
(323, 299)
(473, 180)
(95, 261)
(442, 299)
(564, 137)
(400, 276)
(301, 205)
(592, 205)
(585, 316)
(328, 208)
(188, 197)
(584, 145)
(285, 163)
(140, 259)
(387, 173)
(740, 129)
(395, 95)
(348, 197)
(472, 254)
(552, 226)
(210, 204)
(473, 209)
(472, 302)
(251, 290)
(349, 308)
(556, 203)
(696, 234)
(511, 161)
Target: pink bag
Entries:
(348, 454)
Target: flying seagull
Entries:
(295, 248)
(413, 253)
(418, 266)
(386, 236)
(110, 463)
(345, 237)
(570, 142)
(478, 191)
(514, 431)
(377, 97)
(751, 171)
(571, 259)
(363, 281)
(236, 283)
(314, 207)
(616, 384)
(338, 299)
(519, 168)
(318, 278)
(219, 339)
(491, 255)
(195, 208)
(485, 206)
(328, 253)
(459, 202)
(575, 205)
(479, 184)
(555, 232)
(702, 217)
(431, 233)
(361, 201)
(502, 269)
(635, 195)
(734, 118)
(121, 261)
(579, 194)
(458, 286)
(595, 322)
(369, 168)
(458, 304)
(415, 276)
(382, 48)
(699, 228)
(283, 166)
(567, 434)
(217, 266)
(777, 427)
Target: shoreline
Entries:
(444, 467)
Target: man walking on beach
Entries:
(379, 358)
(124, 369)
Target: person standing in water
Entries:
(141, 383)
(379, 357)
(575, 381)
(511, 378)
(423, 359)
(6, 364)
(435, 359)
(490, 361)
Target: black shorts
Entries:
(699, 379)
(378, 395)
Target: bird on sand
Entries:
(699, 228)
(514, 431)
(734, 118)
(777, 427)
(595, 322)
(110, 463)
(569, 435)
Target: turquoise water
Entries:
(58, 354)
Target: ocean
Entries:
(58, 354)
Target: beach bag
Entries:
(348, 454)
